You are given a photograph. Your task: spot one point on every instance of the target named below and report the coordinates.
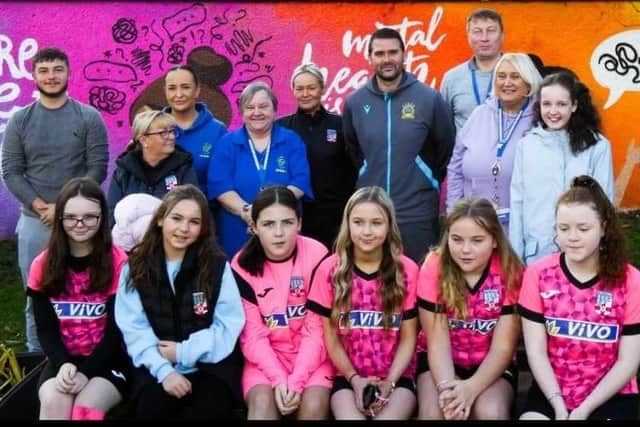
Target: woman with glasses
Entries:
(73, 283)
(247, 160)
(152, 163)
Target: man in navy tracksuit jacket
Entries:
(400, 135)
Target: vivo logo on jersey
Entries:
(481, 326)
(79, 310)
(364, 319)
(281, 320)
(587, 331)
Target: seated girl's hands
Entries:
(358, 384)
(168, 350)
(65, 377)
(287, 401)
(176, 385)
(459, 396)
(80, 380)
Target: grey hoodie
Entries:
(401, 141)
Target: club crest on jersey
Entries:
(296, 286)
(332, 135)
(579, 330)
(604, 302)
(200, 307)
(408, 111)
(366, 319)
(170, 182)
(491, 298)
(79, 310)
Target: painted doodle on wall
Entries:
(119, 53)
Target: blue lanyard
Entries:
(476, 92)
(261, 169)
(502, 138)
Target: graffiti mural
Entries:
(120, 52)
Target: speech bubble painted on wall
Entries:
(615, 64)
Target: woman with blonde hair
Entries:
(151, 163)
(366, 295)
(482, 159)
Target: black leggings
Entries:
(210, 398)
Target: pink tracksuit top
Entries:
(280, 338)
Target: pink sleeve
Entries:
(632, 303)
(119, 260)
(428, 279)
(34, 281)
(254, 338)
(320, 298)
(411, 271)
(311, 353)
(529, 298)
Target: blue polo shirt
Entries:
(232, 168)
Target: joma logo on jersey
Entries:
(364, 319)
(281, 320)
(79, 310)
(481, 326)
(586, 331)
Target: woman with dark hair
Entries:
(73, 285)
(565, 143)
(259, 154)
(179, 310)
(286, 369)
(580, 313)
(152, 163)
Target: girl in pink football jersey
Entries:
(73, 284)
(286, 369)
(365, 293)
(581, 315)
(467, 292)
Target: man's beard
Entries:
(391, 78)
(57, 94)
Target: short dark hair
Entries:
(385, 33)
(186, 68)
(485, 13)
(48, 54)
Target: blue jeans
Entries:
(33, 237)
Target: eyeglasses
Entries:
(89, 221)
(166, 133)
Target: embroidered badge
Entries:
(170, 182)
(296, 286)
(604, 302)
(332, 135)
(491, 298)
(281, 164)
(206, 150)
(366, 108)
(408, 111)
(199, 303)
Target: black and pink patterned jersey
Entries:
(486, 302)
(584, 323)
(370, 347)
(82, 316)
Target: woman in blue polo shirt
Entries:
(251, 158)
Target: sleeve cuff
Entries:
(318, 309)
(430, 306)
(164, 371)
(530, 315)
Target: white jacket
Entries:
(132, 216)
(543, 169)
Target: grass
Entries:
(12, 296)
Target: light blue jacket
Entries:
(209, 345)
(543, 169)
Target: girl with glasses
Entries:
(73, 284)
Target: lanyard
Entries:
(476, 92)
(262, 169)
(502, 138)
